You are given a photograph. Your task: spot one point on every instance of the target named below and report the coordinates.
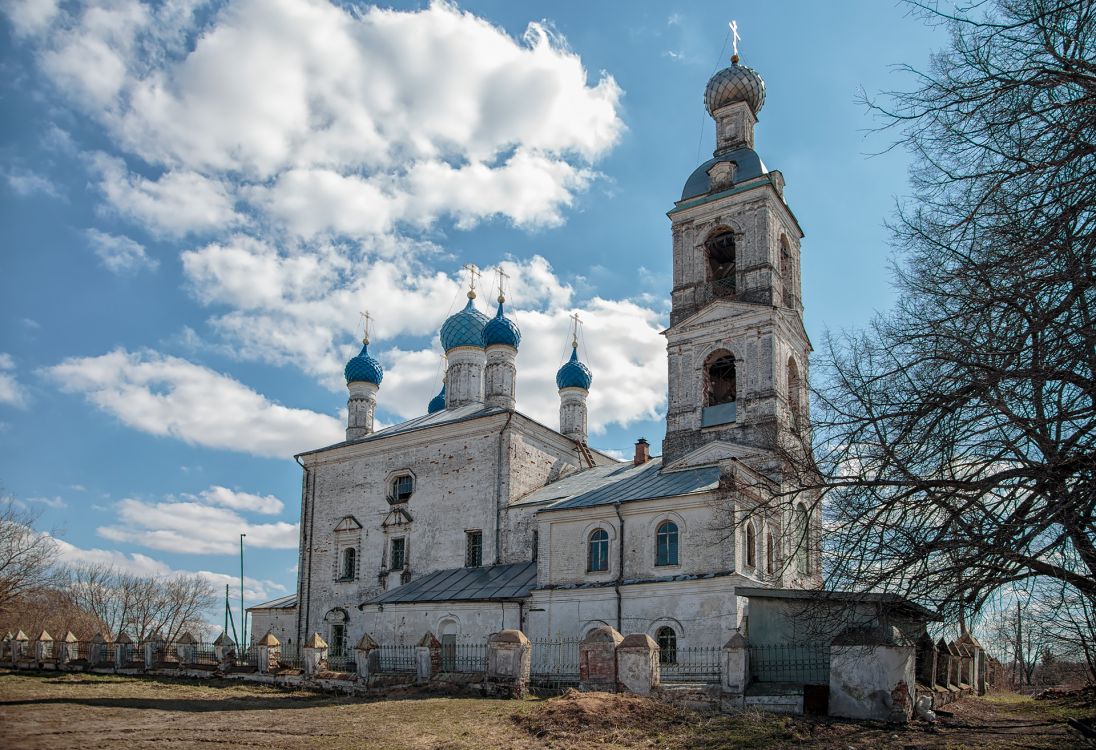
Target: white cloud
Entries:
(255, 589)
(164, 395)
(12, 393)
(217, 495)
(177, 203)
(24, 182)
(193, 528)
(50, 502)
(30, 16)
(331, 120)
(120, 255)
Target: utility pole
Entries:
(243, 613)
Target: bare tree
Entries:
(953, 451)
(26, 556)
(141, 605)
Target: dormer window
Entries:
(400, 488)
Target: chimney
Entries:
(643, 452)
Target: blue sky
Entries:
(198, 199)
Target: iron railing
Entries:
(804, 664)
(396, 658)
(341, 663)
(463, 657)
(554, 663)
(205, 653)
(691, 664)
(290, 657)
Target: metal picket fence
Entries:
(464, 657)
(554, 664)
(290, 657)
(205, 653)
(803, 664)
(691, 664)
(396, 658)
(341, 663)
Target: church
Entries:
(473, 517)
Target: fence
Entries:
(204, 653)
(703, 664)
(396, 658)
(341, 663)
(463, 657)
(290, 657)
(802, 664)
(554, 663)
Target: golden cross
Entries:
(473, 274)
(366, 319)
(574, 331)
(502, 276)
(734, 37)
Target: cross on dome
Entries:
(473, 274)
(502, 276)
(366, 320)
(734, 40)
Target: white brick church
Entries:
(474, 517)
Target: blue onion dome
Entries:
(363, 367)
(735, 84)
(501, 330)
(464, 328)
(574, 374)
(438, 402)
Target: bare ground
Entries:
(147, 713)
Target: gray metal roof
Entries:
(894, 601)
(747, 166)
(642, 483)
(286, 602)
(576, 484)
(446, 416)
(494, 582)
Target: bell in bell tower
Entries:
(737, 348)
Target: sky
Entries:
(198, 199)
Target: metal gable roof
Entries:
(494, 582)
(643, 483)
(285, 602)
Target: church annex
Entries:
(473, 517)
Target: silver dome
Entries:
(735, 84)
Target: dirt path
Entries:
(48, 712)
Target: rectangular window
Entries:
(473, 549)
(398, 554)
(338, 640)
(402, 487)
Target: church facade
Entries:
(474, 517)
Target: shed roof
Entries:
(893, 601)
(641, 482)
(285, 602)
(490, 583)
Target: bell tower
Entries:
(736, 346)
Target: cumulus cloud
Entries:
(164, 395)
(193, 527)
(217, 495)
(12, 393)
(255, 589)
(118, 254)
(24, 182)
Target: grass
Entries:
(85, 711)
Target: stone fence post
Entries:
(427, 658)
(366, 657)
(224, 651)
(638, 667)
(943, 663)
(597, 664)
(509, 662)
(99, 650)
(927, 657)
(69, 650)
(736, 671)
(153, 649)
(19, 647)
(186, 649)
(315, 655)
(978, 663)
(123, 650)
(5, 645)
(43, 648)
(270, 653)
(872, 673)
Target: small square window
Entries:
(473, 554)
(398, 554)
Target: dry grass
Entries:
(103, 711)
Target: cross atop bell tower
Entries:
(736, 346)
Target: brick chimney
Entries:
(643, 452)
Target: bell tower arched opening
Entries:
(720, 389)
(722, 263)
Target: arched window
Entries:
(770, 553)
(803, 540)
(786, 277)
(721, 263)
(349, 564)
(597, 560)
(795, 389)
(751, 546)
(722, 386)
(400, 488)
(666, 544)
(667, 645)
(336, 623)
